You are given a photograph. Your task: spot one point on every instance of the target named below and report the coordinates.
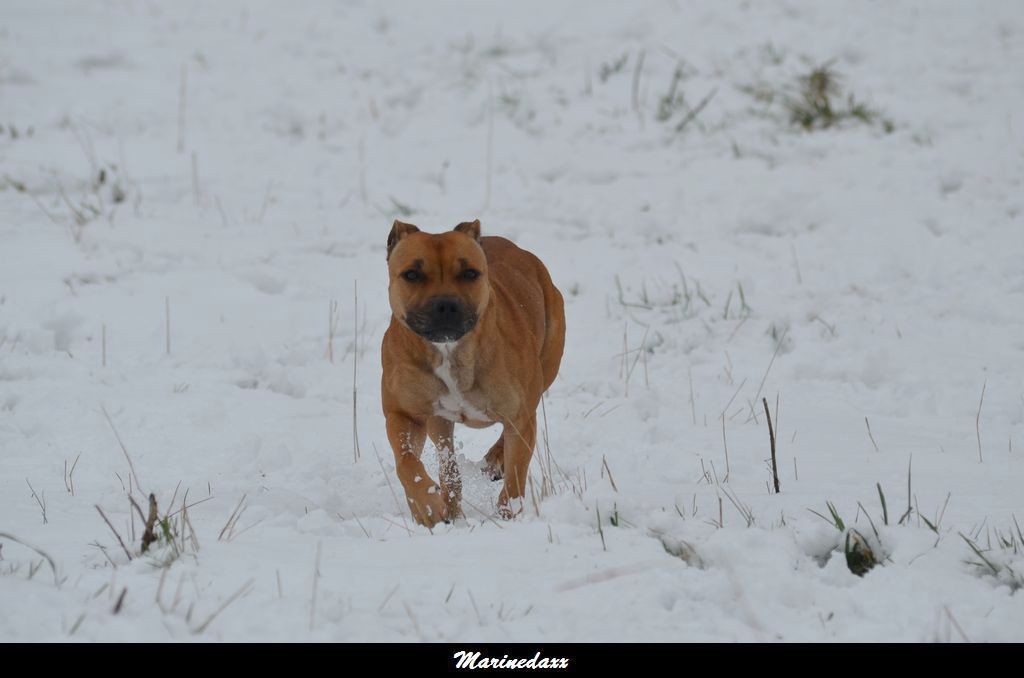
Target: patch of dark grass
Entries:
(819, 100)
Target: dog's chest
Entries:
(453, 403)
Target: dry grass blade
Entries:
(119, 540)
(332, 328)
(871, 522)
(771, 362)
(69, 476)
(235, 596)
(121, 443)
(380, 608)
(725, 445)
(485, 515)
(232, 519)
(120, 601)
(734, 394)
(910, 509)
(977, 419)
(184, 508)
(391, 488)
(415, 624)
(635, 93)
(868, 424)
(697, 110)
(40, 502)
(49, 560)
(604, 463)
(744, 511)
(359, 523)
(771, 435)
(693, 403)
(77, 624)
(955, 624)
(316, 581)
(978, 552)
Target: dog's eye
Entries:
(470, 274)
(412, 275)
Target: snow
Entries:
(880, 273)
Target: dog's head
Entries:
(438, 282)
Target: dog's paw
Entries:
(492, 471)
(509, 508)
(493, 464)
(430, 508)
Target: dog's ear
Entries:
(398, 231)
(470, 228)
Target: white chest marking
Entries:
(453, 405)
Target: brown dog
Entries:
(476, 336)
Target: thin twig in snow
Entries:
(692, 115)
(977, 419)
(69, 476)
(604, 462)
(394, 496)
(693, 404)
(316, 580)
(380, 608)
(955, 624)
(356, 451)
(231, 599)
(637, 73)
(778, 347)
(771, 434)
(41, 502)
(725, 444)
(481, 512)
(119, 540)
(332, 328)
(868, 424)
(53, 566)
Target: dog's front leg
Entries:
(441, 432)
(407, 437)
(519, 436)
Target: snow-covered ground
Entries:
(254, 155)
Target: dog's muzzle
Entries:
(442, 319)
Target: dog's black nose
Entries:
(446, 311)
(442, 319)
